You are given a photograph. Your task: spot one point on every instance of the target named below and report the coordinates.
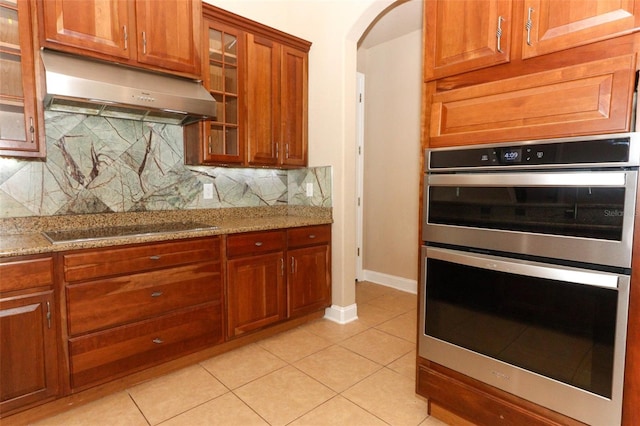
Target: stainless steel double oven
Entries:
(526, 268)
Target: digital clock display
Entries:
(511, 155)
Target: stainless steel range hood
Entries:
(85, 86)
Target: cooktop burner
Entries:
(74, 235)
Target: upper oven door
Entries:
(583, 216)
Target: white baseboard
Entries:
(399, 283)
(342, 314)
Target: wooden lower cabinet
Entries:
(29, 372)
(309, 269)
(115, 311)
(460, 397)
(129, 308)
(256, 294)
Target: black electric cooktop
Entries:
(108, 232)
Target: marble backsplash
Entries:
(104, 165)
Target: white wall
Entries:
(334, 27)
(393, 74)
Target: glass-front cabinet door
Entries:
(19, 125)
(223, 137)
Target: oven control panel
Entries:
(599, 151)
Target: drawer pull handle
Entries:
(312, 236)
(158, 341)
(258, 243)
(156, 294)
(528, 25)
(155, 257)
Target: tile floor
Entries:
(320, 373)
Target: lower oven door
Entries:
(551, 334)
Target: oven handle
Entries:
(525, 267)
(540, 179)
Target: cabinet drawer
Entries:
(309, 235)
(96, 305)
(590, 98)
(27, 273)
(103, 356)
(255, 243)
(125, 260)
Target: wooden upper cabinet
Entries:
(169, 34)
(263, 84)
(462, 36)
(558, 25)
(276, 103)
(92, 25)
(293, 107)
(159, 35)
(21, 116)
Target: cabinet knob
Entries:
(312, 236)
(154, 257)
(156, 294)
(258, 243)
(158, 341)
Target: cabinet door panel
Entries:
(461, 35)
(263, 108)
(590, 98)
(99, 26)
(29, 370)
(21, 127)
(255, 291)
(170, 36)
(559, 25)
(308, 280)
(293, 107)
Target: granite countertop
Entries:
(23, 236)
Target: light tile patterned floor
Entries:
(321, 373)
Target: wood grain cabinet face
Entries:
(462, 36)
(276, 104)
(91, 25)
(160, 35)
(590, 98)
(21, 116)
(129, 308)
(29, 341)
(559, 25)
(308, 269)
(256, 293)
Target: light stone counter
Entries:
(22, 236)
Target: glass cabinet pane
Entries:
(12, 113)
(231, 110)
(216, 82)
(215, 45)
(231, 79)
(224, 85)
(9, 34)
(230, 49)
